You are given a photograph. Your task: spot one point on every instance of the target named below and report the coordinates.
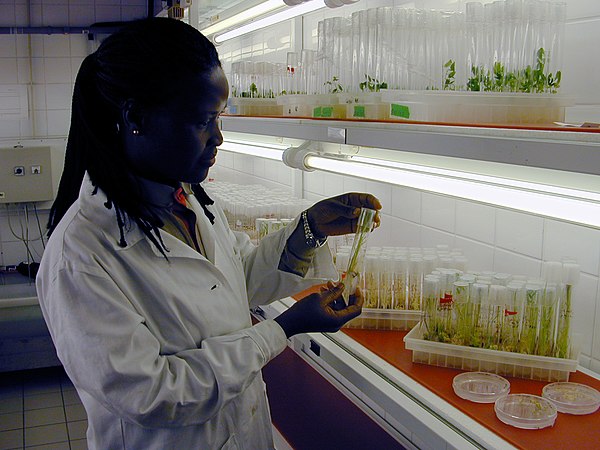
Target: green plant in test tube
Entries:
(531, 312)
(371, 282)
(548, 318)
(431, 296)
(563, 339)
(512, 318)
(357, 254)
(463, 315)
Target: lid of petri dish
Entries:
(572, 398)
(526, 411)
(480, 387)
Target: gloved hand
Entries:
(339, 215)
(325, 311)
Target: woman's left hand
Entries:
(339, 215)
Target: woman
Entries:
(145, 290)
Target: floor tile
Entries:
(66, 384)
(77, 430)
(11, 421)
(10, 390)
(37, 387)
(9, 405)
(79, 444)
(75, 412)
(71, 397)
(45, 416)
(11, 439)
(53, 446)
(43, 401)
(46, 434)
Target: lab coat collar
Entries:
(93, 207)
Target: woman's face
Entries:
(177, 141)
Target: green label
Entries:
(400, 111)
(359, 111)
(317, 112)
(327, 111)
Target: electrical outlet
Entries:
(2, 195)
(19, 171)
(36, 170)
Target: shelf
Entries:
(552, 148)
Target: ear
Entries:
(132, 116)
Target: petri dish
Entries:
(572, 398)
(526, 411)
(480, 387)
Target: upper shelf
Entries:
(558, 149)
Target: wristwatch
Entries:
(309, 237)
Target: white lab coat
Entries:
(163, 353)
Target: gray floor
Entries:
(40, 409)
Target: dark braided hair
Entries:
(147, 61)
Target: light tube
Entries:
(288, 13)
(582, 211)
(269, 151)
(248, 14)
(567, 192)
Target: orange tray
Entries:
(569, 431)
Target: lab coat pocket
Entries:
(231, 443)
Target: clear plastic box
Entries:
(323, 106)
(520, 365)
(480, 387)
(242, 106)
(476, 107)
(386, 319)
(366, 105)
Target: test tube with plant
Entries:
(478, 296)
(548, 319)
(512, 316)
(359, 247)
(371, 282)
(400, 278)
(431, 295)
(386, 277)
(531, 312)
(570, 278)
(461, 307)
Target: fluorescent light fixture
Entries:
(579, 206)
(248, 14)
(288, 13)
(269, 151)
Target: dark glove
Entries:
(325, 311)
(339, 215)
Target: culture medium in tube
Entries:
(357, 254)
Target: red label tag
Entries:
(509, 313)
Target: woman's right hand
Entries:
(323, 311)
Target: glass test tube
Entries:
(359, 247)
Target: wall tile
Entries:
(519, 232)
(21, 15)
(37, 70)
(353, 184)
(585, 361)
(75, 65)
(271, 169)
(58, 96)
(26, 127)
(402, 232)
(314, 182)
(382, 191)
(13, 252)
(23, 71)
(9, 128)
(9, 73)
(585, 310)
(40, 121)
(39, 96)
(406, 204)
(579, 43)
(475, 221)
(55, 15)
(8, 16)
(57, 45)
(516, 264)
(480, 256)
(438, 211)
(22, 43)
(81, 16)
(57, 70)
(107, 13)
(573, 241)
(382, 235)
(35, 11)
(131, 12)
(259, 167)
(8, 45)
(284, 174)
(79, 45)
(58, 122)
(430, 237)
(333, 184)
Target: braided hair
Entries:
(147, 60)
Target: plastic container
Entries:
(385, 319)
(242, 106)
(480, 387)
(322, 106)
(476, 107)
(512, 364)
(572, 398)
(525, 411)
(366, 105)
